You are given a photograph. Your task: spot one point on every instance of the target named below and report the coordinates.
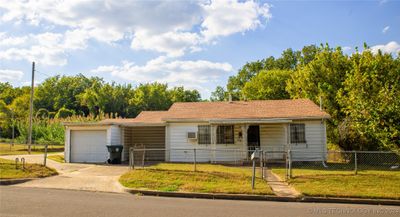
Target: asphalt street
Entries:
(25, 201)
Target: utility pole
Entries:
(31, 109)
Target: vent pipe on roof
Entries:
(230, 98)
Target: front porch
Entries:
(225, 142)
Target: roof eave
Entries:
(245, 120)
(143, 124)
(83, 124)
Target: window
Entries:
(297, 133)
(204, 134)
(225, 134)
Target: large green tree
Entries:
(108, 98)
(219, 94)
(179, 94)
(151, 97)
(370, 99)
(289, 60)
(322, 78)
(62, 92)
(267, 85)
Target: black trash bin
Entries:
(115, 153)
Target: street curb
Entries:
(212, 195)
(14, 181)
(350, 200)
(304, 199)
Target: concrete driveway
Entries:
(90, 177)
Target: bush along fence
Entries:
(289, 160)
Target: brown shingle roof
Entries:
(262, 109)
(150, 117)
(258, 109)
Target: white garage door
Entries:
(89, 146)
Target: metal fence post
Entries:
(23, 163)
(16, 163)
(144, 155)
(261, 163)
(355, 163)
(45, 155)
(131, 158)
(290, 164)
(253, 177)
(194, 159)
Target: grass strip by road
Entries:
(58, 158)
(21, 149)
(339, 183)
(207, 179)
(9, 171)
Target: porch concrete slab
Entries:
(90, 177)
(280, 187)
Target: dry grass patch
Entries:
(57, 158)
(8, 170)
(20, 149)
(336, 183)
(207, 179)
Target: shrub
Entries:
(64, 113)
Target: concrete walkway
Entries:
(280, 187)
(91, 177)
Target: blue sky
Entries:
(197, 44)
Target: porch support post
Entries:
(245, 127)
(124, 148)
(213, 142)
(289, 145)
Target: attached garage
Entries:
(87, 143)
(89, 146)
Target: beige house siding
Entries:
(315, 147)
(182, 148)
(273, 140)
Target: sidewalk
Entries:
(280, 187)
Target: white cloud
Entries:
(45, 48)
(347, 48)
(168, 27)
(7, 75)
(391, 47)
(193, 74)
(384, 30)
(226, 17)
(381, 2)
(171, 43)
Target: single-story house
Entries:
(271, 125)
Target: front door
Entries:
(253, 137)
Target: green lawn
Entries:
(8, 170)
(58, 158)
(18, 149)
(338, 183)
(182, 178)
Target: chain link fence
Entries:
(291, 161)
(145, 157)
(342, 161)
